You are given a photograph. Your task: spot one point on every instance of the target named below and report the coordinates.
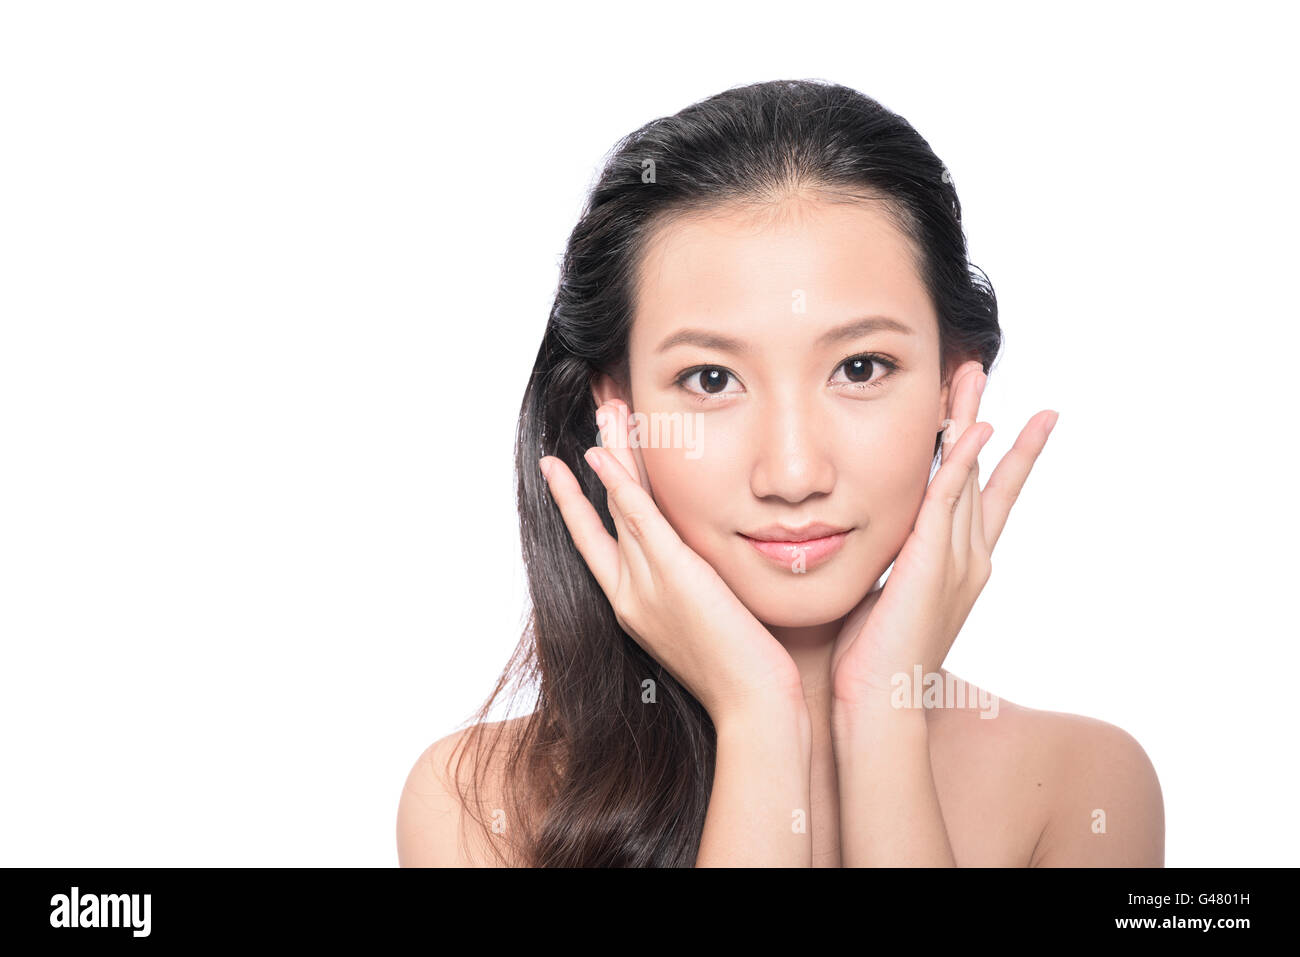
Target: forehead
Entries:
(751, 273)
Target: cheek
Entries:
(891, 492)
(890, 476)
(695, 494)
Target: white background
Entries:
(273, 275)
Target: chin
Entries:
(802, 601)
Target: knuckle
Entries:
(626, 614)
(620, 497)
(638, 525)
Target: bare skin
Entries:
(746, 323)
(1018, 790)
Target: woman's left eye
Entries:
(857, 371)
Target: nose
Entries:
(793, 461)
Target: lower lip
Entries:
(815, 551)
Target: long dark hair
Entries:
(594, 776)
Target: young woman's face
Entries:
(804, 350)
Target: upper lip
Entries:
(784, 533)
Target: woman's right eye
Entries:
(707, 380)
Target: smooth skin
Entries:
(816, 766)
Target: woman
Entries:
(778, 277)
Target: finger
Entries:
(961, 521)
(642, 524)
(611, 437)
(964, 408)
(612, 419)
(596, 546)
(977, 544)
(1009, 477)
(630, 551)
(634, 440)
(969, 391)
(945, 491)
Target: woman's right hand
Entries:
(668, 598)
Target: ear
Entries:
(605, 387)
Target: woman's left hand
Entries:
(944, 564)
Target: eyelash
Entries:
(703, 397)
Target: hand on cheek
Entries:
(945, 562)
(663, 594)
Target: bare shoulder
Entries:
(1077, 791)
(1108, 808)
(434, 829)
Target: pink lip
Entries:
(815, 543)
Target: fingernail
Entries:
(545, 466)
(593, 459)
(979, 386)
(1051, 425)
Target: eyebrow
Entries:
(853, 329)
